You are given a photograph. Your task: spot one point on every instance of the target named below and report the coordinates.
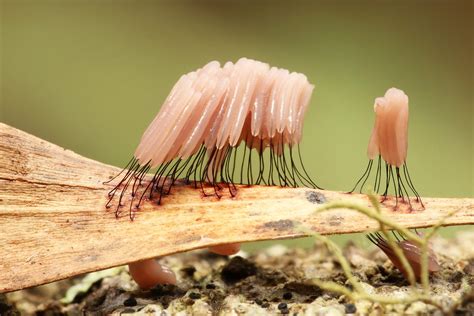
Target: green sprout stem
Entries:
(385, 224)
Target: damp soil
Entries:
(275, 281)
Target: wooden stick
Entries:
(54, 224)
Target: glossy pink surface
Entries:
(223, 106)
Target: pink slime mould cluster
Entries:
(389, 141)
(390, 133)
(411, 251)
(149, 273)
(210, 112)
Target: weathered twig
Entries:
(53, 221)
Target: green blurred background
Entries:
(91, 75)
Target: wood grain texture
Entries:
(54, 224)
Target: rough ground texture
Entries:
(273, 281)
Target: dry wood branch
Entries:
(53, 221)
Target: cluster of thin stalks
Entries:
(357, 293)
(211, 172)
(399, 177)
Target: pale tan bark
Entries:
(53, 221)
